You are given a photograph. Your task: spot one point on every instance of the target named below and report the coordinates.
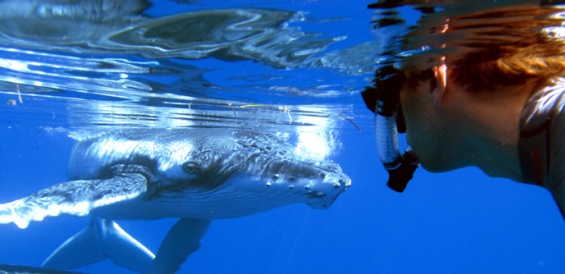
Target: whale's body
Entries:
(193, 174)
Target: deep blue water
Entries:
(457, 222)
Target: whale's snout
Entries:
(316, 184)
(324, 193)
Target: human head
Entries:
(481, 52)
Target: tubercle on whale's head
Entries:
(334, 183)
(320, 183)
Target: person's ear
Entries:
(438, 85)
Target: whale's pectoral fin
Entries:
(182, 240)
(101, 240)
(13, 269)
(73, 197)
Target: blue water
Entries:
(457, 222)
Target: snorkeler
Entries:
(476, 84)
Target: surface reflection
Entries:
(110, 64)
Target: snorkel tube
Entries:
(384, 98)
(384, 101)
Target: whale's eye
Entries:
(191, 167)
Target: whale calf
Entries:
(196, 175)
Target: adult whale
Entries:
(193, 174)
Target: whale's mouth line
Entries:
(239, 196)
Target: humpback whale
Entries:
(196, 175)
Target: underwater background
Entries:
(70, 70)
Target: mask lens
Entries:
(388, 82)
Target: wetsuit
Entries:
(542, 140)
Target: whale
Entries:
(193, 174)
(19, 269)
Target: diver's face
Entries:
(428, 129)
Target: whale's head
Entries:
(213, 173)
(250, 172)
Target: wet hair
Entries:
(492, 47)
(537, 58)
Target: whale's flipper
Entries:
(101, 240)
(73, 197)
(20, 269)
(182, 240)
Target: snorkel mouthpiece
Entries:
(385, 102)
(399, 177)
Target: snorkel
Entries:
(384, 101)
(384, 98)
